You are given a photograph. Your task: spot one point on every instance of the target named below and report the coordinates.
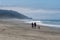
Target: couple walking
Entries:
(34, 25)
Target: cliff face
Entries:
(12, 14)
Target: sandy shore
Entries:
(23, 31)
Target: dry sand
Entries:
(23, 31)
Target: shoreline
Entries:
(44, 24)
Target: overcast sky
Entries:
(41, 8)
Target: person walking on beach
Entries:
(32, 25)
(35, 24)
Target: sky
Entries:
(45, 9)
(32, 3)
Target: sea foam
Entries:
(43, 24)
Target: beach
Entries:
(23, 31)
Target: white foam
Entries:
(40, 23)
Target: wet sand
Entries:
(23, 31)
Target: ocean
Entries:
(49, 23)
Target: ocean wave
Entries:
(30, 21)
(41, 23)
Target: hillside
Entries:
(12, 14)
